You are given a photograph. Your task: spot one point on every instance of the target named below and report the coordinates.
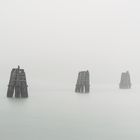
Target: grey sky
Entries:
(54, 39)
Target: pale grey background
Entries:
(54, 39)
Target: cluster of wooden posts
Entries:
(18, 84)
(83, 84)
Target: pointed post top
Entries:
(18, 67)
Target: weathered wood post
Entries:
(125, 82)
(83, 82)
(18, 83)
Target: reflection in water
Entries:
(17, 101)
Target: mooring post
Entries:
(83, 84)
(18, 83)
(125, 82)
(87, 84)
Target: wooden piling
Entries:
(125, 82)
(18, 84)
(83, 82)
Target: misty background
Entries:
(54, 40)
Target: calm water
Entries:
(104, 114)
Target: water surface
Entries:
(107, 113)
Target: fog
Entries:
(53, 40)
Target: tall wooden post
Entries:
(83, 82)
(17, 83)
